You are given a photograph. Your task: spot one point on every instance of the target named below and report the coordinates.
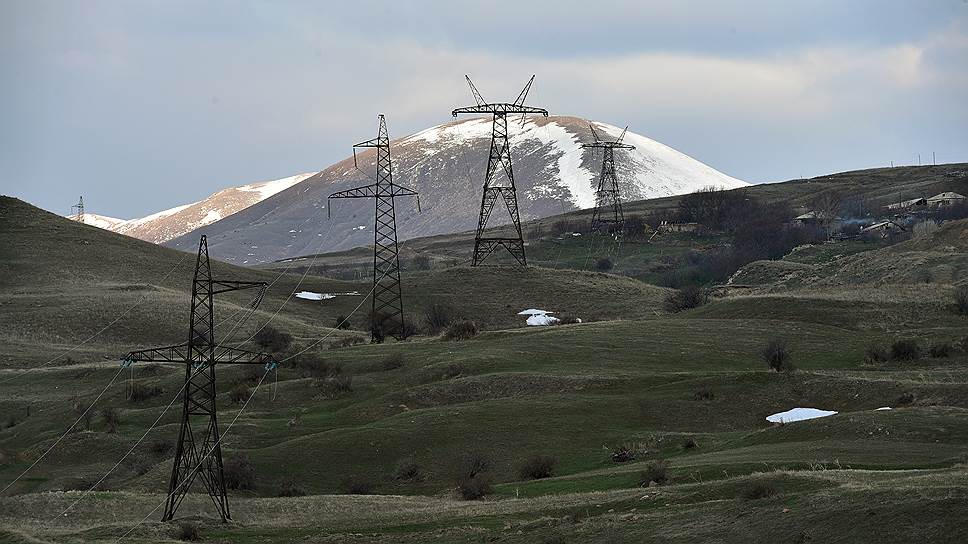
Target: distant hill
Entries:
(446, 165)
(167, 224)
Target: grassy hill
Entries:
(399, 420)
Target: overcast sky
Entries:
(140, 106)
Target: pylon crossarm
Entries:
(234, 356)
(165, 354)
(501, 108)
(375, 142)
(224, 286)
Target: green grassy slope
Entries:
(688, 388)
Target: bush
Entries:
(289, 487)
(624, 453)
(690, 444)
(874, 354)
(452, 371)
(474, 463)
(188, 532)
(422, 262)
(335, 385)
(461, 330)
(239, 472)
(356, 485)
(342, 322)
(273, 340)
(112, 419)
(759, 491)
(604, 264)
(407, 470)
(904, 399)
(941, 350)
(961, 299)
(776, 355)
(438, 317)
(905, 350)
(347, 342)
(140, 392)
(704, 394)
(240, 393)
(475, 487)
(159, 447)
(656, 471)
(537, 467)
(690, 296)
(392, 361)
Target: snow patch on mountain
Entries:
(99, 221)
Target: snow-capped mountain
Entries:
(165, 225)
(446, 164)
(99, 221)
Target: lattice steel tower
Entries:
(386, 315)
(79, 207)
(199, 451)
(500, 155)
(608, 216)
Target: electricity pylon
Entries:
(386, 314)
(608, 216)
(199, 451)
(500, 155)
(79, 216)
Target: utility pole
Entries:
(386, 314)
(500, 156)
(199, 450)
(608, 216)
(79, 208)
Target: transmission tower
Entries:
(79, 207)
(608, 216)
(199, 451)
(386, 314)
(500, 156)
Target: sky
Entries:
(144, 105)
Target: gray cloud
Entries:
(141, 106)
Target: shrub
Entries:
(461, 330)
(438, 317)
(335, 384)
(961, 299)
(159, 447)
(272, 339)
(289, 487)
(704, 394)
(624, 453)
(759, 491)
(313, 366)
(940, 350)
(776, 354)
(687, 297)
(473, 477)
(475, 487)
(347, 342)
(604, 264)
(690, 444)
(874, 354)
(904, 399)
(537, 467)
(140, 392)
(188, 532)
(392, 361)
(905, 350)
(474, 463)
(240, 393)
(452, 371)
(422, 262)
(356, 485)
(407, 470)
(239, 472)
(342, 322)
(112, 419)
(656, 471)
